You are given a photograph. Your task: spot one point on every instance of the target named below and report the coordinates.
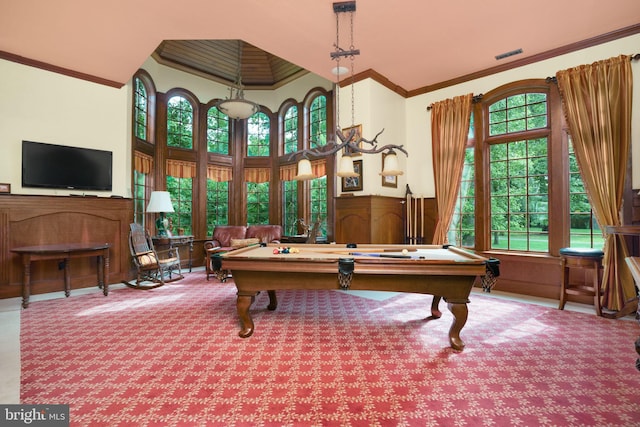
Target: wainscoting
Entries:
(27, 220)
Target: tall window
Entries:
(181, 190)
(519, 195)
(318, 122)
(174, 161)
(141, 106)
(258, 135)
(217, 204)
(179, 123)
(290, 124)
(217, 132)
(584, 232)
(318, 187)
(520, 162)
(257, 203)
(289, 207)
(462, 229)
(139, 200)
(319, 204)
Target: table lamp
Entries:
(160, 202)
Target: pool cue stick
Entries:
(380, 255)
(349, 251)
(422, 219)
(409, 217)
(415, 217)
(407, 195)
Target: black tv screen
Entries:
(60, 166)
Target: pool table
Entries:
(442, 271)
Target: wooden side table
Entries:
(64, 252)
(175, 242)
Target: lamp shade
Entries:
(390, 166)
(238, 108)
(346, 167)
(160, 201)
(304, 170)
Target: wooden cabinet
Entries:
(379, 219)
(369, 219)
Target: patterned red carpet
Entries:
(171, 357)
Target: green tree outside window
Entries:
(179, 123)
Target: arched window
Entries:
(180, 174)
(141, 109)
(143, 119)
(518, 156)
(318, 122)
(179, 123)
(290, 130)
(518, 128)
(318, 189)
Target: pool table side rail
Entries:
(254, 259)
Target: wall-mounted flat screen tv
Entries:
(61, 166)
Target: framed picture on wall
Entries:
(388, 181)
(345, 132)
(353, 183)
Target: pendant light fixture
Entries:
(352, 143)
(237, 107)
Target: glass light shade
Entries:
(238, 108)
(160, 201)
(339, 71)
(304, 170)
(390, 166)
(346, 167)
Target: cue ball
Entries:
(404, 252)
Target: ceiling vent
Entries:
(508, 54)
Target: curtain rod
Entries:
(475, 99)
(633, 57)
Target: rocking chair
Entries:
(155, 268)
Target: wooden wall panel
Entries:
(36, 220)
(369, 219)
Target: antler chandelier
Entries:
(352, 143)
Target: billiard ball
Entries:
(404, 252)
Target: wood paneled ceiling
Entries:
(219, 59)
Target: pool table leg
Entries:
(273, 300)
(460, 313)
(435, 310)
(246, 322)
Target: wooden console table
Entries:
(63, 252)
(174, 242)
